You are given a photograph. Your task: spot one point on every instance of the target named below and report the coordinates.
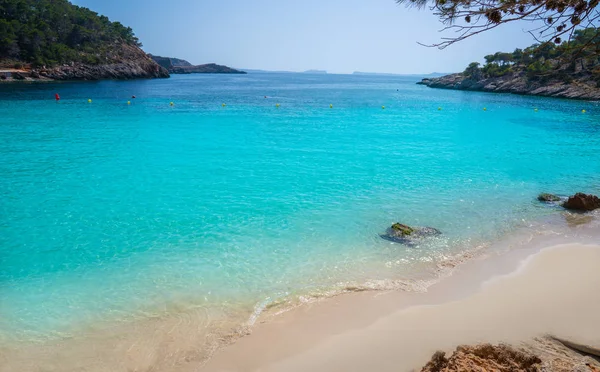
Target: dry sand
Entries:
(554, 291)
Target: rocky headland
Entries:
(567, 70)
(181, 66)
(57, 40)
(517, 83)
(126, 62)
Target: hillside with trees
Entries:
(570, 69)
(45, 35)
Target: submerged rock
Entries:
(405, 234)
(401, 229)
(545, 197)
(484, 357)
(582, 202)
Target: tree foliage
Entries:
(577, 57)
(552, 20)
(48, 32)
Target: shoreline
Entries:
(185, 341)
(399, 331)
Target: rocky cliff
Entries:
(518, 83)
(57, 40)
(124, 62)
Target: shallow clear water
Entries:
(111, 211)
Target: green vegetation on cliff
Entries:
(544, 62)
(50, 32)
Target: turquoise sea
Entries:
(112, 212)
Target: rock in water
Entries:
(401, 229)
(400, 233)
(484, 357)
(545, 197)
(582, 202)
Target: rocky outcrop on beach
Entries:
(484, 357)
(518, 83)
(404, 234)
(546, 354)
(582, 202)
(126, 62)
(181, 66)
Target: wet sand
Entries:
(512, 298)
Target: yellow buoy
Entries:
(439, 108)
(223, 105)
(485, 109)
(330, 106)
(172, 104)
(382, 107)
(89, 101)
(129, 102)
(277, 105)
(583, 111)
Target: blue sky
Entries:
(340, 36)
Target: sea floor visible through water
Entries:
(147, 226)
(186, 339)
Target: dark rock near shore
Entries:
(548, 198)
(582, 202)
(518, 83)
(404, 234)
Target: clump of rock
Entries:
(401, 233)
(548, 198)
(484, 357)
(582, 202)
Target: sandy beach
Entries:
(526, 294)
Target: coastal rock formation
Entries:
(209, 68)
(57, 40)
(545, 354)
(168, 62)
(180, 66)
(517, 83)
(547, 69)
(125, 62)
(582, 202)
(549, 198)
(400, 233)
(484, 357)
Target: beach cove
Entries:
(161, 232)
